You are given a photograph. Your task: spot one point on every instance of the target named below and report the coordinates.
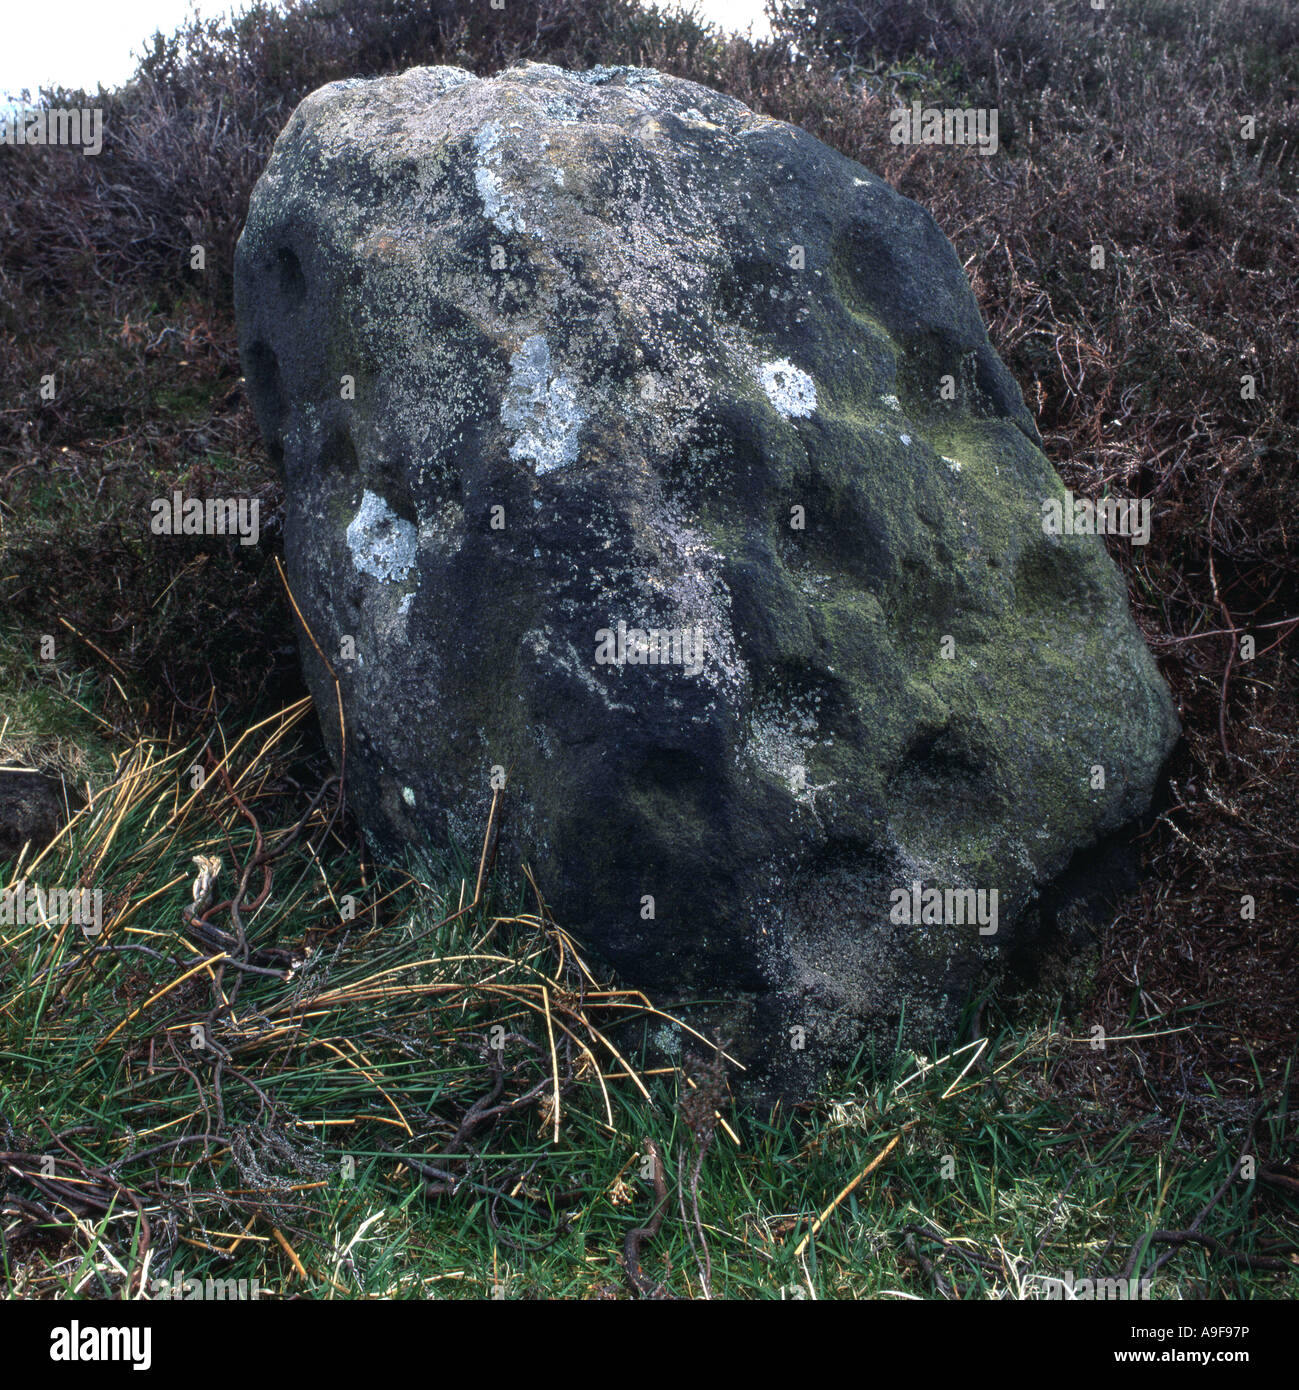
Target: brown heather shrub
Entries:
(1120, 129)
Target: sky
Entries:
(82, 43)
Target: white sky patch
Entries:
(381, 542)
(788, 388)
(97, 43)
(734, 16)
(542, 408)
(91, 43)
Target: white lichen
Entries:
(496, 206)
(381, 542)
(781, 741)
(542, 408)
(633, 77)
(486, 141)
(788, 388)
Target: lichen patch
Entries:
(496, 204)
(788, 388)
(382, 543)
(541, 406)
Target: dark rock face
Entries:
(652, 451)
(33, 807)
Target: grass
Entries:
(335, 1122)
(336, 1151)
(48, 712)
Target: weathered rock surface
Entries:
(33, 807)
(550, 353)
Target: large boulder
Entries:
(652, 452)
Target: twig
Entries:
(852, 1186)
(639, 1235)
